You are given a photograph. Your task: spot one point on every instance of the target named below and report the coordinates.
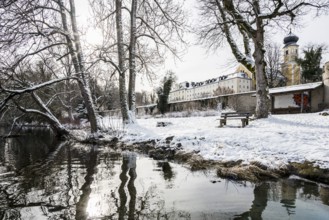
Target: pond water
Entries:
(44, 179)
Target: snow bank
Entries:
(274, 141)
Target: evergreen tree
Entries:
(163, 92)
(310, 64)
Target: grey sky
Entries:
(198, 65)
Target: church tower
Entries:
(290, 68)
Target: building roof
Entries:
(190, 85)
(295, 88)
(290, 39)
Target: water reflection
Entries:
(25, 150)
(258, 204)
(168, 173)
(71, 181)
(288, 196)
(91, 169)
(128, 165)
(131, 187)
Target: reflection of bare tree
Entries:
(149, 205)
(132, 192)
(26, 149)
(109, 161)
(71, 182)
(46, 176)
(168, 173)
(54, 185)
(288, 193)
(310, 190)
(290, 189)
(122, 193)
(86, 190)
(259, 204)
(128, 164)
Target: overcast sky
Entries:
(198, 65)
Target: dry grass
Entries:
(249, 172)
(310, 171)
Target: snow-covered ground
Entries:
(274, 141)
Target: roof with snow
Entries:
(301, 87)
(191, 85)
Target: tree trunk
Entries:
(76, 56)
(122, 68)
(261, 81)
(132, 59)
(85, 87)
(68, 96)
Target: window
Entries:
(286, 52)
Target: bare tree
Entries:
(76, 53)
(121, 63)
(217, 28)
(28, 101)
(273, 65)
(248, 21)
(153, 27)
(161, 22)
(132, 57)
(30, 28)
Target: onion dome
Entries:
(290, 39)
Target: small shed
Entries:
(297, 98)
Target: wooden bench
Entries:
(244, 117)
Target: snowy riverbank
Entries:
(274, 142)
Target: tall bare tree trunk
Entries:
(261, 81)
(86, 93)
(77, 59)
(122, 68)
(68, 96)
(132, 59)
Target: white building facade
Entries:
(238, 82)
